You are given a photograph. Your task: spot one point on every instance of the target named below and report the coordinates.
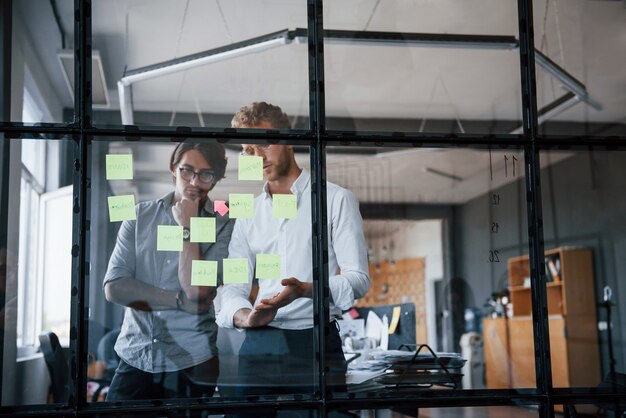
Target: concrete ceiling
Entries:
(587, 38)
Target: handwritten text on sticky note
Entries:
(241, 205)
(122, 208)
(203, 273)
(250, 168)
(235, 270)
(267, 266)
(169, 238)
(202, 229)
(119, 167)
(284, 206)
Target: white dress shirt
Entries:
(291, 239)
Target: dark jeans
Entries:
(275, 361)
(130, 383)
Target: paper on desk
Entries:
(374, 327)
(384, 334)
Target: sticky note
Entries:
(119, 166)
(235, 270)
(241, 205)
(169, 238)
(202, 230)
(395, 318)
(250, 168)
(284, 206)
(267, 266)
(203, 273)
(220, 207)
(122, 208)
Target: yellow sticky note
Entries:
(395, 318)
(202, 230)
(241, 205)
(169, 238)
(284, 206)
(267, 266)
(122, 208)
(250, 168)
(203, 273)
(235, 270)
(119, 166)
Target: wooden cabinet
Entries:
(572, 322)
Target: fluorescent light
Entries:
(99, 92)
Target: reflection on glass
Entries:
(36, 272)
(441, 250)
(460, 412)
(578, 91)
(584, 236)
(250, 240)
(401, 67)
(211, 59)
(42, 68)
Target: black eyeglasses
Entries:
(205, 176)
(251, 150)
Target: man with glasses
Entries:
(167, 343)
(277, 354)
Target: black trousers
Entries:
(130, 383)
(275, 361)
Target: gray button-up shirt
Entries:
(167, 340)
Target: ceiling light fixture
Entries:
(99, 91)
(284, 37)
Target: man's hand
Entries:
(184, 210)
(294, 289)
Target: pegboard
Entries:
(399, 282)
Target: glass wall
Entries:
(228, 256)
(426, 63)
(36, 267)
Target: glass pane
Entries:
(585, 238)
(239, 242)
(579, 47)
(36, 271)
(601, 409)
(42, 61)
(458, 412)
(400, 66)
(174, 62)
(444, 249)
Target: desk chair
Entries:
(57, 366)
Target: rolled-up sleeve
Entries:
(348, 243)
(122, 261)
(234, 297)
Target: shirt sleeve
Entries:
(234, 297)
(348, 243)
(122, 261)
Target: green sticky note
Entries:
(203, 273)
(122, 208)
(119, 166)
(202, 230)
(284, 206)
(235, 270)
(267, 266)
(169, 238)
(250, 168)
(241, 205)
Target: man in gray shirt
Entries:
(168, 336)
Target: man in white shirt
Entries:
(278, 355)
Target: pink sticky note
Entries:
(220, 207)
(354, 314)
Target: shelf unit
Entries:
(572, 322)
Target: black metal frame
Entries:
(82, 131)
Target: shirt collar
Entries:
(166, 201)
(297, 188)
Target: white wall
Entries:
(411, 239)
